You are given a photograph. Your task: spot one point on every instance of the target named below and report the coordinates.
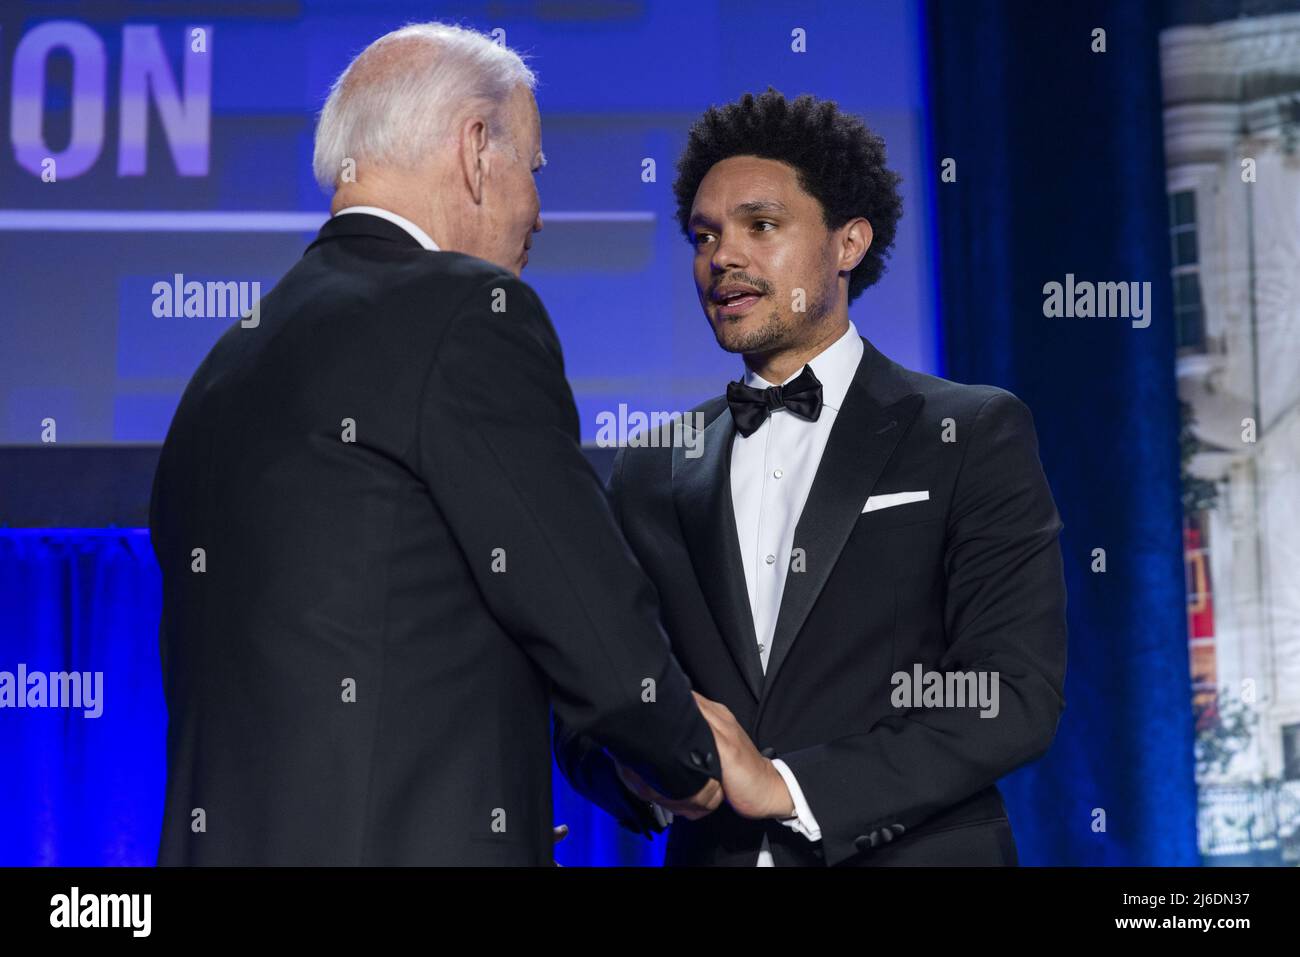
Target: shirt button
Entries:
(770, 559)
(777, 474)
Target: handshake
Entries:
(751, 784)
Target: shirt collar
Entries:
(418, 234)
(835, 367)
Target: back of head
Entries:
(402, 96)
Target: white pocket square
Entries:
(876, 502)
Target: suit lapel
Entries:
(877, 411)
(702, 495)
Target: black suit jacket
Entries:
(406, 560)
(969, 580)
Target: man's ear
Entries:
(473, 154)
(855, 240)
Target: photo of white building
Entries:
(1231, 95)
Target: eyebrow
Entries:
(751, 208)
(760, 206)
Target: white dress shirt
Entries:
(772, 471)
(418, 234)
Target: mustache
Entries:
(762, 285)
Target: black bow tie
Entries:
(802, 395)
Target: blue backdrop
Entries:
(619, 84)
(80, 790)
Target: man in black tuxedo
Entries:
(861, 572)
(384, 555)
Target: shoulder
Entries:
(963, 403)
(952, 397)
(418, 294)
(982, 423)
(452, 279)
(478, 305)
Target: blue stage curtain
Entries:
(83, 791)
(1060, 169)
(594, 838)
(79, 790)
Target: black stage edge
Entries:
(82, 486)
(102, 486)
(981, 908)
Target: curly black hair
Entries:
(840, 163)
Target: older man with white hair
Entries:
(384, 556)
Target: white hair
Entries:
(391, 106)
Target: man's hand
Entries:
(705, 802)
(753, 786)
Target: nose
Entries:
(537, 223)
(727, 254)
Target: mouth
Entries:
(733, 301)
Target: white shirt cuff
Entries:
(803, 820)
(662, 815)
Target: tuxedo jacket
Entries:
(384, 559)
(955, 567)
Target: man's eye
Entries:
(764, 222)
(700, 238)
